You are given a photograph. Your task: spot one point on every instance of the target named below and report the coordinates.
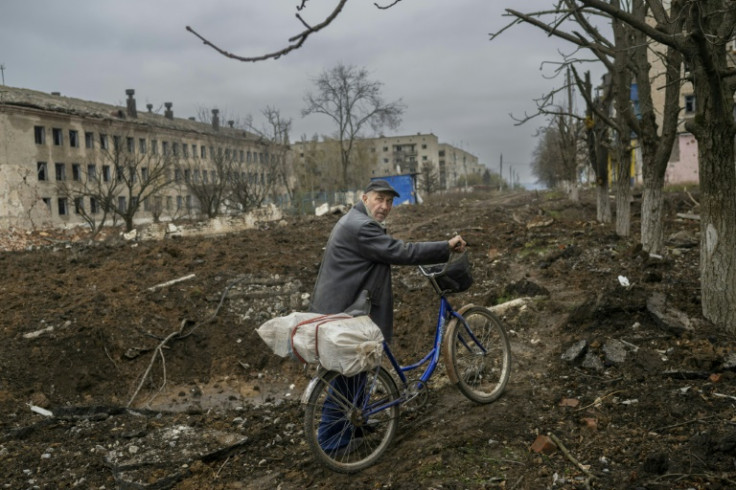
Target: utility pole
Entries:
(500, 174)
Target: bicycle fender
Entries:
(309, 389)
(446, 347)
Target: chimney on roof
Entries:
(168, 112)
(149, 107)
(216, 119)
(231, 123)
(132, 111)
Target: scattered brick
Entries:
(543, 445)
(570, 402)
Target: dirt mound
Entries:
(145, 355)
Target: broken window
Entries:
(47, 202)
(58, 136)
(690, 104)
(76, 172)
(78, 205)
(89, 140)
(106, 173)
(39, 133)
(60, 171)
(42, 170)
(62, 206)
(104, 143)
(74, 138)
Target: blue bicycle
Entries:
(350, 421)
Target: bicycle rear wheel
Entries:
(479, 354)
(349, 421)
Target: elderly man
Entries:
(356, 268)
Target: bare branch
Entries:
(387, 6)
(295, 42)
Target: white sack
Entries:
(339, 342)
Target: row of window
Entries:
(167, 148)
(142, 173)
(90, 205)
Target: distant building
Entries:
(64, 161)
(392, 155)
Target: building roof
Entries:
(61, 104)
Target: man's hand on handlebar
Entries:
(457, 244)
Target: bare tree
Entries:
(429, 179)
(274, 137)
(124, 181)
(249, 183)
(347, 96)
(210, 186)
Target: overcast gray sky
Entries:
(434, 55)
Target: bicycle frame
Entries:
(432, 359)
(445, 313)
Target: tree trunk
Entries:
(603, 213)
(623, 207)
(652, 219)
(718, 226)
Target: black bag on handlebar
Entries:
(457, 277)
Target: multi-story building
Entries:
(396, 155)
(67, 161)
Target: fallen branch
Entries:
(569, 456)
(173, 281)
(701, 419)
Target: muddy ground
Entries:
(110, 380)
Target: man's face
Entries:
(379, 204)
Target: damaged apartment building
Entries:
(67, 162)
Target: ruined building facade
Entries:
(67, 161)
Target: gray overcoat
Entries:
(358, 257)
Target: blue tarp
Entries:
(404, 185)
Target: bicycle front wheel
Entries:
(350, 421)
(479, 354)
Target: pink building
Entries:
(683, 165)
